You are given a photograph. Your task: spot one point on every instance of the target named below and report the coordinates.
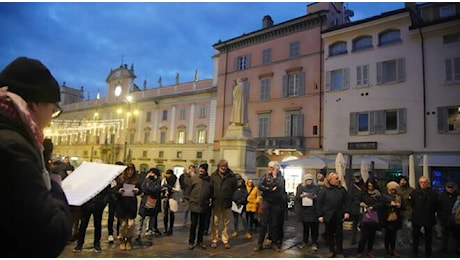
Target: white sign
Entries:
(88, 180)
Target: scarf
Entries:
(374, 193)
(16, 108)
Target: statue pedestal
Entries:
(239, 149)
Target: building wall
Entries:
(406, 94)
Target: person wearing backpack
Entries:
(446, 202)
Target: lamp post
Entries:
(128, 101)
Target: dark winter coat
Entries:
(223, 189)
(35, 222)
(354, 193)
(405, 194)
(446, 203)
(333, 201)
(150, 187)
(307, 213)
(199, 193)
(126, 206)
(271, 195)
(240, 196)
(395, 225)
(424, 206)
(376, 202)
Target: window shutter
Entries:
(401, 70)
(449, 70)
(287, 125)
(442, 119)
(302, 83)
(373, 126)
(328, 81)
(346, 78)
(299, 130)
(402, 120)
(285, 85)
(365, 73)
(359, 75)
(235, 64)
(379, 73)
(353, 119)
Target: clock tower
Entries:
(120, 83)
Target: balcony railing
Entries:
(285, 142)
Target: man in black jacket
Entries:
(36, 219)
(224, 185)
(424, 203)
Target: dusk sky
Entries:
(80, 42)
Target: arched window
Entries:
(362, 43)
(338, 48)
(389, 36)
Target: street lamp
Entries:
(128, 101)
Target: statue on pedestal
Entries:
(239, 104)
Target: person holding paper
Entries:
(170, 191)
(240, 199)
(306, 195)
(36, 220)
(127, 188)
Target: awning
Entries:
(312, 162)
(442, 160)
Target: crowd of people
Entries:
(224, 205)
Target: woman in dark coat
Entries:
(308, 211)
(127, 188)
(371, 199)
(393, 203)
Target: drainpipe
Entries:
(423, 85)
(320, 132)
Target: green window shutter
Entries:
(328, 81)
(402, 119)
(285, 85)
(401, 69)
(353, 124)
(442, 119)
(235, 64)
(346, 78)
(379, 73)
(287, 124)
(449, 74)
(302, 83)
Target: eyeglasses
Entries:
(57, 111)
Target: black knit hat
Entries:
(204, 166)
(155, 171)
(31, 80)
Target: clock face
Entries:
(118, 90)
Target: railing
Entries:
(285, 142)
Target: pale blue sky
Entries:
(81, 41)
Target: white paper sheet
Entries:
(237, 209)
(307, 202)
(88, 180)
(129, 190)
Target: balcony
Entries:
(285, 142)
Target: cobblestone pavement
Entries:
(176, 246)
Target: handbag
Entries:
(392, 216)
(370, 216)
(151, 202)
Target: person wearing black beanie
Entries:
(36, 203)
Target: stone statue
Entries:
(196, 75)
(239, 104)
(177, 78)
